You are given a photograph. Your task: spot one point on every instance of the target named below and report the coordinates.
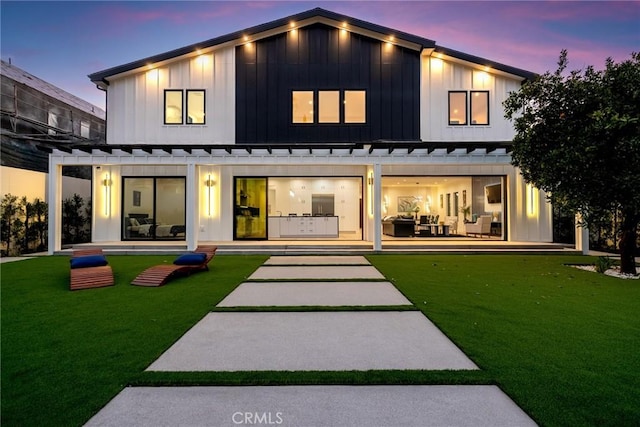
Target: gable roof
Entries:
(309, 17)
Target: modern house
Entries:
(314, 126)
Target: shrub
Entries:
(603, 263)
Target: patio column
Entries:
(192, 207)
(377, 203)
(582, 237)
(54, 199)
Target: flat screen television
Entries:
(494, 193)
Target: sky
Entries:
(63, 42)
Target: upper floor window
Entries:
(52, 121)
(328, 106)
(85, 129)
(174, 107)
(457, 108)
(355, 106)
(302, 106)
(476, 109)
(195, 107)
(479, 107)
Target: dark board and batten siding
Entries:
(318, 57)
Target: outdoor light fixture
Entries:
(209, 183)
(106, 183)
(370, 182)
(531, 200)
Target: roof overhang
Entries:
(259, 32)
(479, 63)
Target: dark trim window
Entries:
(195, 107)
(173, 106)
(302, 106)
(333, 106)
(474, 112)
(479, 107)
(329, 106)
(457, 108)
(355, 106)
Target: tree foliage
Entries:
(578, 139)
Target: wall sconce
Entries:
(531, 200)
(106, 183)
(370, 182)
(209, 183)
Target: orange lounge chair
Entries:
(158, 275)
(89, 269)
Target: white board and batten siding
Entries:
(439, 77)
(136, 102)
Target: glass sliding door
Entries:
(250, 205)
(154, 208)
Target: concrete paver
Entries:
(317, 260)
(312, 341)
(281, 294)
(338, 272)
(310, 406)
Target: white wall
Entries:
(20, 182)
(531, 215)
(136, 102)
(438, 77)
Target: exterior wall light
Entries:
(106, 183)
(209, 183)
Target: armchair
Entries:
(481, 226)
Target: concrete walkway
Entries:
(319, 341)
(307, 406)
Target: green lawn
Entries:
(563, 343)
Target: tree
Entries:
(12, 225)
(578, 139)
(41, 210)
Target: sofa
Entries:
(398, 226)
(481, 226)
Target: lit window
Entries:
(195, 107)
(457, 108)
(173, 107)
(85, 128)
(329, 106)
(302, 106)
(479, 107)
(355, 106)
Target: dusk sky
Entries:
(63, 42)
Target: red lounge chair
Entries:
(87, 273)
(158, 275)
